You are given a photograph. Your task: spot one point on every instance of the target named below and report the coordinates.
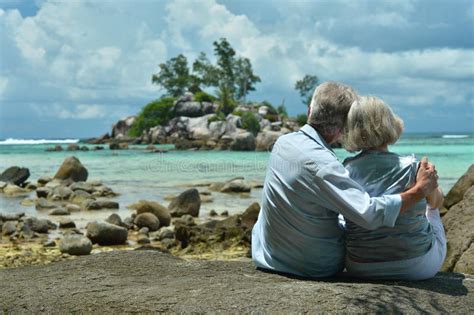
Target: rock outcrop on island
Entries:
(200, 125)
(459, 225)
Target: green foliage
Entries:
(282, 111)
(175, 78)
(302, 119)
(306, 87)
(219, 116)
(250, 123)
(156, 113)
(239, 113)
(227, 102)
(202, 96)
(271, 108)
(245, 79)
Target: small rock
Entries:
(161, 212)
(66, 223)
(102, 204)
(43, 192)
(236, 186)
(27, 202)
(49, 243)
(188, 202)
(144, 230)
(185, 220)
(9, 228)
(43, 180)
(166, 233)
(58, 211)
(75, 245)
(73, 208)
(213, 213)
(14, 190)
(2, 185)
(115, 219)
(79, 196)
(42, 203)
(61, 193)
(148, 220)
(143, 239)
(225, 213)
(250, 215)
(37, 225)
(128, 221)
(106, 233)
(82, 186)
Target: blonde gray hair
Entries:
(370, 124)
(329, 106)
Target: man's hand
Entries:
(426, 177)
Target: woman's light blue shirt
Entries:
(383, 173)
(305, 189)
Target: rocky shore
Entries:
(177, 228)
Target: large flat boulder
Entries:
(153, 282)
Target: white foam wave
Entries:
(37, 141)
(454, 136)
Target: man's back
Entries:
(295, 232)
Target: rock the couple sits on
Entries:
(389, 202)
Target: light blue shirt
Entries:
(305, 189)
(382, 173)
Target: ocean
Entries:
(137, 174)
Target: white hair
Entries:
(329, 106)
(370, 124)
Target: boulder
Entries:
(235, 186)
(72, 169)
(101, 204)
(59, 211)
(2, 186)
(459, 189)
(61, 193)
(75, 245)
(80, 196)
(8, 228)
(15, 175)
(243, 141)
(157, 135)
(122, 127)
(148, 220)
(459, 225)
(197, 128)
(37, 225)
(73, 208)
(250, 215)
(161, 212)
(106, 233)
(189, 109)
(66, 223)
(265, 140)
(166, 233)
(188, 202)
(82, 186)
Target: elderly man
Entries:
(306, 188)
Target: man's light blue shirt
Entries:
(305, 189)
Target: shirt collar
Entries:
(313, 134)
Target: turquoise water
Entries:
(137, 174)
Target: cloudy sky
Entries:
(72, 68)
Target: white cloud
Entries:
(104, 52)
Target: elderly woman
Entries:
(415, 248)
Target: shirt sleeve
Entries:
(345, 196)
